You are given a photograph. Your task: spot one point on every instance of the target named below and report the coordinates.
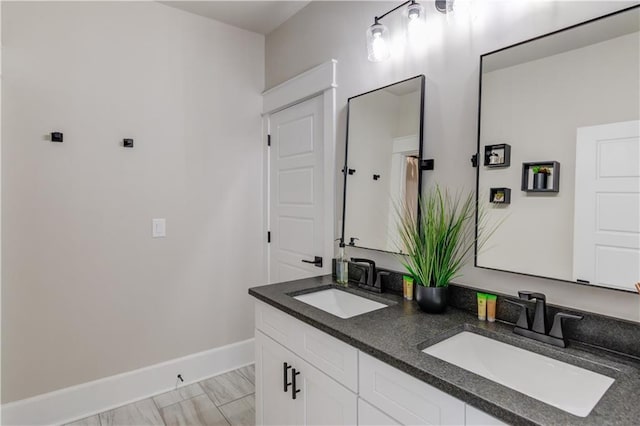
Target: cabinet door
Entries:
(322, 400)
(406, 398)
(370, 416)
(331, 356)
(274, 406)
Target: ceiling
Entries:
(257, 16)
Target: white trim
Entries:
(80, 401)
(330, 189)
(266, 187)
(308, 84)
(318, 81)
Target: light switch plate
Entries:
(159, 228)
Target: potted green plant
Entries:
(540, 175)
(437, 244)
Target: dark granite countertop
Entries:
(397, 334)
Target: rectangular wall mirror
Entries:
(559, 154)
(382, 163)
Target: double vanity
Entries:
(334, 355)
(326, 354)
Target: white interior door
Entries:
(607, 205)
(296, 192)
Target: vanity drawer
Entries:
(405, 398)
(475, 417)
(335, 358)
(274, 323)
(368, 415)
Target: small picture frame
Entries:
(497, 155)
(500, 195)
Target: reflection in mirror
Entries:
(384, 144)
(565, 106)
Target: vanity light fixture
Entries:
(417, 22)
(378, 42)
(378, 34)
(444, 6)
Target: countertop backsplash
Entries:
(613, 334)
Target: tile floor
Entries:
(227, 399)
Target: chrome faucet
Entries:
(538, 331)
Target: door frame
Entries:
(318, 81)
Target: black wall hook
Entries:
(427, 164)
(56, 137)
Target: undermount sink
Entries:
(564, 386)
(340, 303)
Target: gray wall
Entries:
(449, 58)
(86, 291)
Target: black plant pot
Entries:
(540, 181)
(432, 299)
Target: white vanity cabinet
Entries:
(368, 415)
(339, 385)
(405, 398)
(326, 373)
(319, 400)
(274, 406)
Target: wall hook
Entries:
(427, 164)
(56, 137)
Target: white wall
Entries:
(408, 123)
(536, 107)
(86, 291)
(449, 58)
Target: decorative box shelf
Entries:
(497, 155)
(500, 195)
(552, 180)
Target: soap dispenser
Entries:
(342, 265)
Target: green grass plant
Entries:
(442, 239)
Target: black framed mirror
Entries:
(382, 173)
(559, 151)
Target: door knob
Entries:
(317, 261)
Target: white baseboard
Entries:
(80, 401)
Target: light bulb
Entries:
(377, 45)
